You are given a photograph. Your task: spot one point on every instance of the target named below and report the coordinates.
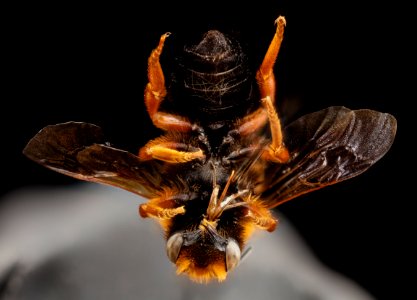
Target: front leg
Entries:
(164, 207)
(155, 93)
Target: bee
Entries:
(224, 160)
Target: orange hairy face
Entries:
(208, 252)
(202, 263)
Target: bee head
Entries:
(206, 245)
(203, 254)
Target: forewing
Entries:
(327, 147)
(78, 149)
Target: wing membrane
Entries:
(327, 147)
(78, 149)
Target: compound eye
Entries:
(232, 255)
(174, 245)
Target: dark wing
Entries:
(78, 149)
(327, 147)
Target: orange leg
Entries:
(265, 75)
(276, 152)
(160, 208)
(260, 216)
(169, 151)
(155, 93)
(262, 220)
(252, 122)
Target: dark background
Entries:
(88, 63)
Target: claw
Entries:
(280, 21)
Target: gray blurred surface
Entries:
(88, 242)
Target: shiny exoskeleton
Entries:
(224, 161)
(212, 83)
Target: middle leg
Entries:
(171, 151)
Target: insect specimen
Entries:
(224, 161)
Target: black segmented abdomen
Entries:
(213, 82)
